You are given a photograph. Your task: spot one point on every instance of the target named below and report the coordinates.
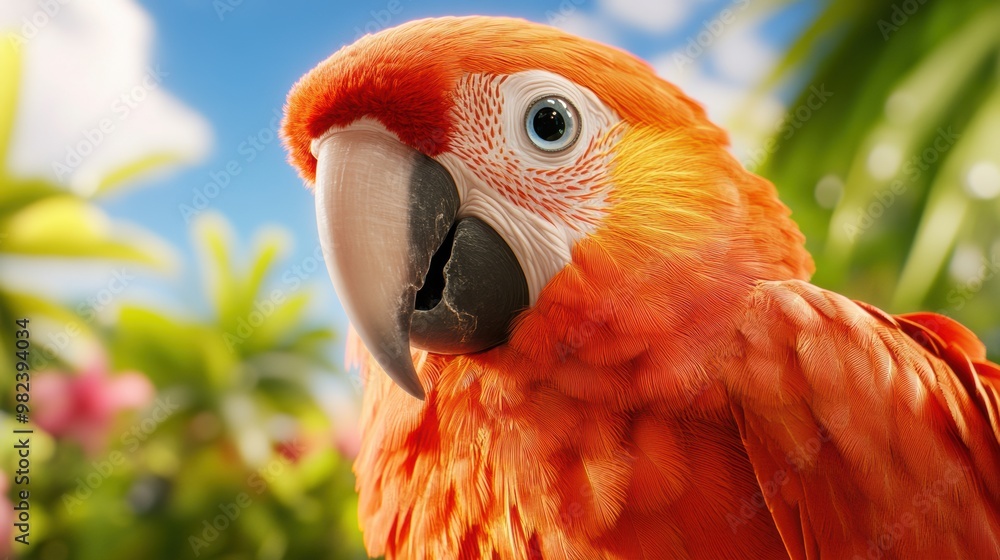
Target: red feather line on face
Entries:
(404, 78)
(571, 195)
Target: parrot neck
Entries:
(665, 280)
(594, 417)
(603, 413)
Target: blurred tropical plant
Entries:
(234, 458)
(42, 220)
(249, 426)
(895, 179)
(181, 433)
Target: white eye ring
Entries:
(552, 123)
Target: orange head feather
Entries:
(405, 78)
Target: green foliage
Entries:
(235, 458)
(10, 69)
(235, 432)
(915, 109)
(42, 220)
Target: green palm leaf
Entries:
(904, 75)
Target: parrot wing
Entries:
(871, 436)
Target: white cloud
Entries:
(585, 25)
(719, 65)
(739, 59)
(85, 64)
(653, 16)
(730, 105)
(741, 55)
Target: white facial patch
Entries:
(541, 202)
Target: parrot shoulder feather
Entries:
(869, 434)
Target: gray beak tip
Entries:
(393, 355)
(417, 392)
(402, 373)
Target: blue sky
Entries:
(233, 62)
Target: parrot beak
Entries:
(405, 270)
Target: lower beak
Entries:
(404, 269)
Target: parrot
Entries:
(584, 330)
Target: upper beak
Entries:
(403, 268)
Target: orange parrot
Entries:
(597, 327)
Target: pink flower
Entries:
(82, 407)
(347, 440)
(292, 450)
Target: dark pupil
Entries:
(549, 124)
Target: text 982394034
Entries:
(22, 436)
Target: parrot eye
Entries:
(551, 123)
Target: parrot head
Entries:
(490, 183)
